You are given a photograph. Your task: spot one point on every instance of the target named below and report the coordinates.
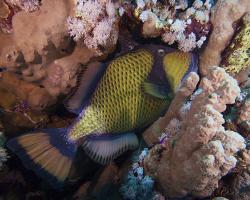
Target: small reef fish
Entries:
(113, 100)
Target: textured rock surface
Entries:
(43, 55)
(202, 151)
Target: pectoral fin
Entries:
(156, 90)
(106, 147)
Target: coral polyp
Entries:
(95, 23)
(174, 21)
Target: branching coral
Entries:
(224, 16)
(202, 151)
(95, 23)
(175, 22)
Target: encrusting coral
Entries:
(95, 23)
(174, 21)
(224, 16)
(200, 151)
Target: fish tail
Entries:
(49, 153)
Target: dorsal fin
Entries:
(86, 86)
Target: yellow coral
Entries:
(237, 56)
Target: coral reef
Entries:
(224, 16)
(199, 149)
(200, 142)
(95, 23)
(174, 21)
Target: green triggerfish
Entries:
(114, 100)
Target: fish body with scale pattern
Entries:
(113, 100)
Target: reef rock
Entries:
(43, 54)
(224, 16)
(201, 151)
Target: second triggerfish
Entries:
(114, 100)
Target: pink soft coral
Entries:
(96, 24)
(27, 5)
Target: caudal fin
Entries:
(47, 152)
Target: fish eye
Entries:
(161, 52)
(130, 47)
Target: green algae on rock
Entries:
(236, 57)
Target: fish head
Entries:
(173, 64)
(176, 65)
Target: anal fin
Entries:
(106, 147)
